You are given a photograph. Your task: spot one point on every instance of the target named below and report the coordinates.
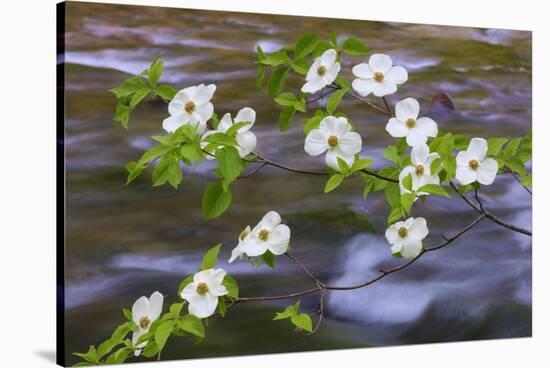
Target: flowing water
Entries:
(126, 241)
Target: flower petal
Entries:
(189, 292)
(407, 109)
(204, 112)
(177, 105)
(411, 249)
(270, 220)
(225, 123)
(465, 175)
(278, 239)
(419, 154)
(363, 86)
(216, 276)
(203, 94)
(140, 309)
(313, 85)
(397, 75)
(477, 148)
(384, 88)
(312, 72)
(235, 253)
(316, 143)
(331, 73)
(331, 158)
(350, 143)
(328, 58)
(487, 171)
(380, 63)
(391, 234)
(254, 247)
(419, 229)
(246, 114)
(463, 159)
(155, 305)
(204, 306)
(363, 71)
(416, 137)
(172, 123)
(396, 128)
(218, 290)
(331, 125)
(247, 143)
(427, 126)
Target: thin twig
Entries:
(507, 170)
(489, 215)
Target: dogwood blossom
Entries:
(473, 165)
(406, 237)
(269, 234)
(237, 251)
(144, 313)
(244, 137)
(420, 170)
(334, 136)
(407, 123)
(322, 72)
(190, 105)
(378, 77)
(202, 294)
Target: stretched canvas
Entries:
(236, 183)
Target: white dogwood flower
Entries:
(322, 72)
(237, 251)
(334, 136)
(420, 170)
(473, 165)
(244, 137)
(406, 237)
(192, 106)
(378, 77)
(407, 123)
(269, 234)
(202, 294)
(144, 312)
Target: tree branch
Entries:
(489, 215)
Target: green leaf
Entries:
(175, 309)
(222, 309)
(286, 99)
(511, 148)
(221, 139)
(216, 200)
(361, 164)
(192, 324)
(436, 166)
(229, 162)
(391, 154)
(133, 171)
(527, 181)
(167, 170)
(516, 166)
(434, 189)
(334, 100)
(407, 182)
(277, 81)
(231, 286)
(138, 96)
(290, 311)
(153, 154)
(122, 113)
(343, 166)
(192, 151)
(285, 118)
(352, 46)
(166, 91)
(395, 214)
(305, 45)
(90, 356)
(302, 321)
(150, 350)
(407, 201)
(494, 145)
(333, 182)
(155, 71)
(269, 259)
(321, 47)
(129, 87)
(276, 58)
(127, 313)
(162, 333)
(313, 122)
(210, 258)
(260, 75)
(300, 66)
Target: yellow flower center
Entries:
(474, 164)
(411, 123)
(263, 235)
(379, 77)
(144, 322)
(190, 106)
(419, 170)
(332, 141)
(321, 70)
(402, 232)
(202, 288)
